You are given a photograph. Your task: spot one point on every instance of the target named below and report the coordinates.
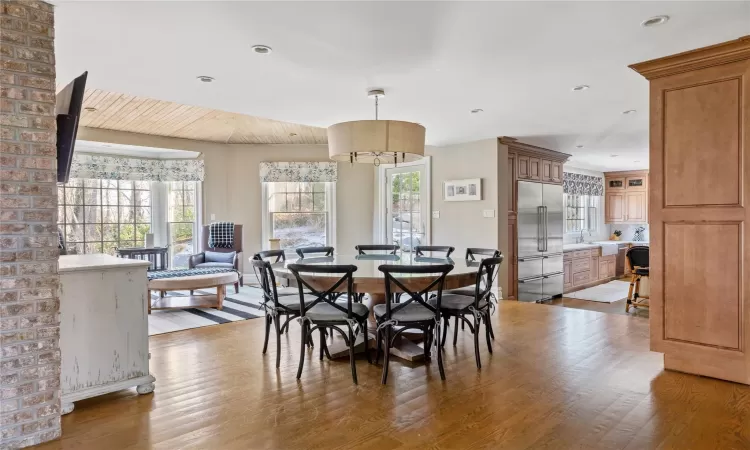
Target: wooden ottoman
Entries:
(190, 283)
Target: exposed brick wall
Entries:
(29, 303)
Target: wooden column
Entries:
(699, 212)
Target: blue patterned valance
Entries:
(579, 184)
(315, 172)
(109, 167)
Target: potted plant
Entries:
(615, 235)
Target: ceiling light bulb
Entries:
(614, 156)
(581, 87)
(476, 111)
(630, 111)
(261, 49)
(655, 21)
(205, 78)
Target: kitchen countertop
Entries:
(596, 244)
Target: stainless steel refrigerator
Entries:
(540, 241)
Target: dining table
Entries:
(370, 280)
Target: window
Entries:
(96, 216)
(181, 201)
(299, 214)
(581, 213)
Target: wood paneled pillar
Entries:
(699, 212)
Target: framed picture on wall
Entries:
(462, 190)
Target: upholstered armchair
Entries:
(220, 257)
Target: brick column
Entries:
(29, 304)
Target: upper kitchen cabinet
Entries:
(626, 197)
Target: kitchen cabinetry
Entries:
(626, 197)
(586, 268)
(526, 163)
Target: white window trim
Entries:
(266, 217)
(599, 207)
(379, 227)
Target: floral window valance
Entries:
(298, 172)
(579, 184)
(123, 168)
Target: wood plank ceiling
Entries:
(122, 112)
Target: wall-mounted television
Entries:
(68, 109)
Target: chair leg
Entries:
(278, 341)
(630, 293)
(303, 341)
(379, 345)
(192, 292)
(268, 331)
(387, 356)
(455, 330)
(351, 355)
(489, 326)
(440, 357)
(477, 322)
(426, 343)
(322, 342)
(242, 281)
(488, 330)
(445, 332)
(237, 287)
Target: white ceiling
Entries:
(437, 60)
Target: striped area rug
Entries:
(244, 305)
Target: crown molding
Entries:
(532, 150)
(701, 58)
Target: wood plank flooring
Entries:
(559, 378)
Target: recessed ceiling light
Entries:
(292, 134)
(579, 146)
(261, 49)
(89, 109)
(205, 78)
(476, 111)
(636, 161)
(581, 87)
(614, 156)
(655, 21)
(630, 111)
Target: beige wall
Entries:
(461, 224)
(232, 189)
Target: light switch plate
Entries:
(488, 213)
(213, 216)
(436, 214)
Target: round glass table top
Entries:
(367, 265)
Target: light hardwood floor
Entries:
(559, 378)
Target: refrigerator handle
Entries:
(546, 233)
(540, 242)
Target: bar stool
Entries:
(638, 260)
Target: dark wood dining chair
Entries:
(421, 249)
(478, 305)
(320, 310)
(390, 249)
(302, 252)
(415, 313)
(279, 310)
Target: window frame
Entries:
(167, 211)
(63, 223)
(267, 226)
(592, 201)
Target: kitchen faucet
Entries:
(579, 239)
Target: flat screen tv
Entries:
(68, 109)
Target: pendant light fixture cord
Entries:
(377, 98)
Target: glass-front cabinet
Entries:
(626, 197)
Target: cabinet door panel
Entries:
(594, 268)
(603, 269)
(635, 183)
(523, 167)
(614, 207)
(567, 274)
(546, 170)
(557, 172)
(635, 207)
(535, 169)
